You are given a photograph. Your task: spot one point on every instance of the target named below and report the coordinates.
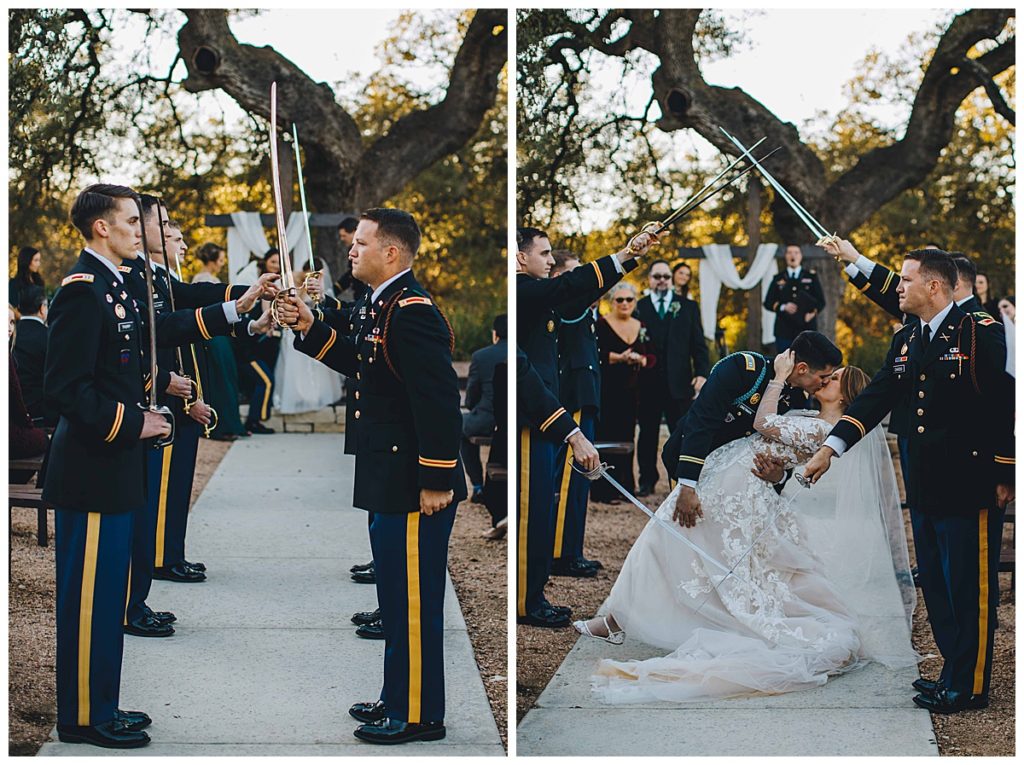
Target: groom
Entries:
(725, 408)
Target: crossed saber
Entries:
(601, 471)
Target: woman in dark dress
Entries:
(24, 439)
(29, 261)
(622, 343)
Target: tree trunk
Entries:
(753, 242)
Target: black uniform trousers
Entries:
(150, 520)
(410, 557)
(655, 403)
(262, 392)
(93, 552)
(173, 522)
(958, 567)
(573, 493)
(535, 485)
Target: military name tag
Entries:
(125, 326)
(746, 409)
(899, 368)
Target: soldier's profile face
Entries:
(913, 287)
(123, 229)
(367, 254)
(535, 257)
(155, 232)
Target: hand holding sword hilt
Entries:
(830, 239)
(193, 395)
(275, 306)
(212, 425)
(590, 475)
(313, 285)
(649, 229)
(161, 441)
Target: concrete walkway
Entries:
(867, 712)
(265, 660)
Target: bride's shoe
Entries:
(615, 637)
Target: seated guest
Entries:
(30, 352)
(479, 420)
(27, 275)
(624, 351)
(23, 438)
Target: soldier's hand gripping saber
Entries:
(313, 273)
(287, 278)
(808, 220)
(163, 411)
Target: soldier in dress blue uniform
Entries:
(542, 302)
(96, 478)
(795, 297)
(408, 472)
(725, 409)
(961, 452)
(579, 381)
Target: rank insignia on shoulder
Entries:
(125, 269)
(87, 278)
(749, 362)
(414, 301)
(982, 315)
(986, 322)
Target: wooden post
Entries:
(753, 242)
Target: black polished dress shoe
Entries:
(368, 711)
(388, 731)
(178, 573)
(110, 735)
(365, 577)
(945, 701)
(132, 720)
(366, 617)
(256, 428)
(592, 563)
(562, 567)
(148, 626)
(371, 631)
(164, 617)
(546, 617)
(196, 566)
(557, 609)
(360, 567)
(927, 687)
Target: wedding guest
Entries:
(220, 387)
(795, 297)
(30, 352)
(983, 290)
(27, 275)
(260, 355)
(625, 350)
(1008, 309)
(479, 420)
(24, 439)
(682, 275)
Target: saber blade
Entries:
(287, 280)
(302, 195)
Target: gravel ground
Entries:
(611, 530)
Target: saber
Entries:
(193, 386)
(313, 272)
(771, 524)
(287, 278)
(214, 419)
(602, 472)
(816, 228)
(163, 411)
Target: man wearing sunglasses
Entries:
(666, 390)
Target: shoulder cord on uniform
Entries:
(389, 310)
(972, 362)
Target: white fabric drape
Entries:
(246, 236)
(718, 268)
(1011, 355)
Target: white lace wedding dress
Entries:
(780, 624)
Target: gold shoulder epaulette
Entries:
(87, 278)
(414, 301)
(125, 269)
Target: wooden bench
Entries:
(480, 440)
(22, 495)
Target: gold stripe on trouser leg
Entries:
(563, 493)
(92, 549)
(266, 388)
(983, 615)
(412, 568)
(161, 508)
(524, 517)
(128, 591)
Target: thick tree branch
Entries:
(982, 75)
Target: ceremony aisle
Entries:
(265, 660)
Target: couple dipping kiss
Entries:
(820, 580)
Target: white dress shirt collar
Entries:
(380, 289)
(937, 319)
(107, 263)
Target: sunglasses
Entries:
(661, 277)
(624, 300)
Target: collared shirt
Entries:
(862, 264)
(793, 272)
(380, 288)
(961, 301)
(105, 262)
(33, 318)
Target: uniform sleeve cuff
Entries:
(864, 265)
(836, 444)
(231, 312)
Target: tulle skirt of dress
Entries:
(779, 626)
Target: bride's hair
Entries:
(853, 381)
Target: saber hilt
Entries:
(163, 411)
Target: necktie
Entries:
(926, 336)
(661, 307)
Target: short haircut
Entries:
(937, 265)
(791, 244)
(815, 350)
(348, 224)
(562, 257)
(658, 261)
(526, 235)
(95, 202)
(31, 299)
(209, 252)
(933, 244)
(172, 223)
(395, 227)
(500, 325)
(965, 267)
(148, 203)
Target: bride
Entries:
(783, 621)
